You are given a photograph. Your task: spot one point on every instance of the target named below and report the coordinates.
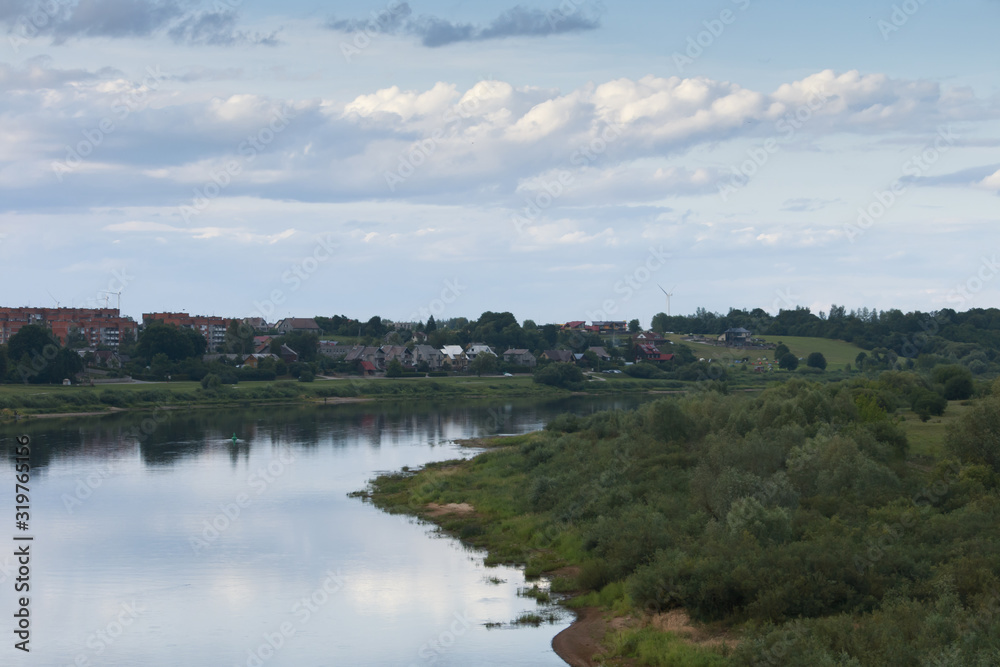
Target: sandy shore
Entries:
(580, 642)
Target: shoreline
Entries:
(581, 641)
(334, 400)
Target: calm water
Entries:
(162, 543)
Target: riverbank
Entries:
(475, 502)
(77, 401)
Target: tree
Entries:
(789, 362)
(859, 361)
(634, 326)
(394, 369)
(431, 325)
(37, 358)
(816, 360)
(305, 344)
(975, 438)
(484, 363)
(211, 381)
(167, 339)
(780, 351)
(239, 337)
(559, 374)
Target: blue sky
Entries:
(555, 160)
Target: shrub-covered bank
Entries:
(792, 517)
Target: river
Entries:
(159, 541)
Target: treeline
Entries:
(792, 517)
(971, 337)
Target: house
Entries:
(209, 358)
(520, 358)
(650, 337)
(368, 369)
(107, 358)
(454, 356)
(610, 327)
(399, 353)
(333, 350)
(256, 323)
(473, 350)
(577, 325)
(288, 355)
(427, 354)
(649, 352)
(738, 337)
(600, 352)
(294, 324)
(564, 356)
(253, 360)
(367, 353)
(261, 344)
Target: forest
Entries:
(800, 521)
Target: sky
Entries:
(561, 160)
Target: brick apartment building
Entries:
(100, 326)
(211, 327)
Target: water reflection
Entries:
(216, 544)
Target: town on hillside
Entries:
(113, 347)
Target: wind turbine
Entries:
(119, 294)
(669, 294)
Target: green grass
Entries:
(661, 649)
(927, 438)
(838, 353)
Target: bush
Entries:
(211, 381)
(306, 376)
(559, 374)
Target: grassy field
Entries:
(837, 352)
(927, 438)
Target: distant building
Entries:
(473, 350)
(648, 352)
(739, 337)
(600, 352)
(425, 353)
(564, 356)
(294, 324)
(211, 327)
(610, 327)
(98, 326)
(520, 358)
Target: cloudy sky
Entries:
(555, 160)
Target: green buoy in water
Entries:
(234, 438)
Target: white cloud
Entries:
(991, 182)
